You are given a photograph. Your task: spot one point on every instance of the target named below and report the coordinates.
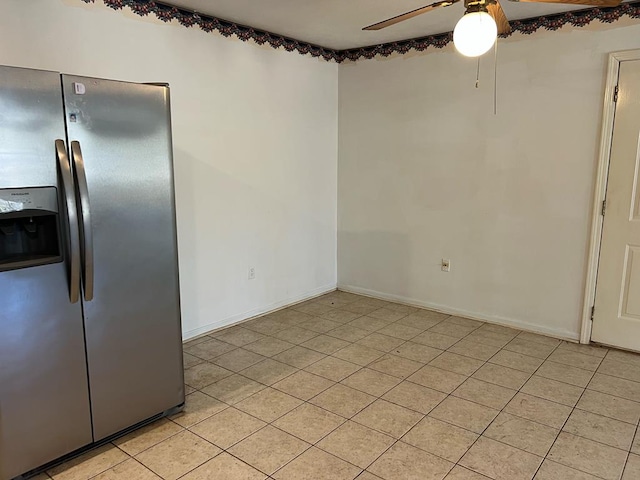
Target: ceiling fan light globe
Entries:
(475, 34)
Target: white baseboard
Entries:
(498, 320)
(241, 317)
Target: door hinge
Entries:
(604, 208)
(593, 312)
(615, 94)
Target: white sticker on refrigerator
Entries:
(7, 206)
(79, 88)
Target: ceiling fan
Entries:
(477, 30)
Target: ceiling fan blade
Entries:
(408, 15)
(495, 10)
(590, 3)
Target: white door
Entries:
(617, 307)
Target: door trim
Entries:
(597, 220)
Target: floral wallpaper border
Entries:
(188, 18)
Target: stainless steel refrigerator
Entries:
(90, 336)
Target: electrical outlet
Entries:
(446, 265)
(252, 273)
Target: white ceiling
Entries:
(338, 23)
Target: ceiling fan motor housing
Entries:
(477, 5)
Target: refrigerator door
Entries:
(44, 396)
(120, 137)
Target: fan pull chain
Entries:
(478, 74)
(495, 78)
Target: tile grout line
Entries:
(226, 450)
(633, 441)
(110, 467)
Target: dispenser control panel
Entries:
(14, 200)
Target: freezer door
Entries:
(120, 137)
(44, 397)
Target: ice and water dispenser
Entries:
(29, 227)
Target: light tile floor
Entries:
(346, 387)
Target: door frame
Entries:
(602, 177)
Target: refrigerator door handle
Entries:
(72, 215)
(86, 235)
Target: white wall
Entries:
(426, 172)
(255, 144)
